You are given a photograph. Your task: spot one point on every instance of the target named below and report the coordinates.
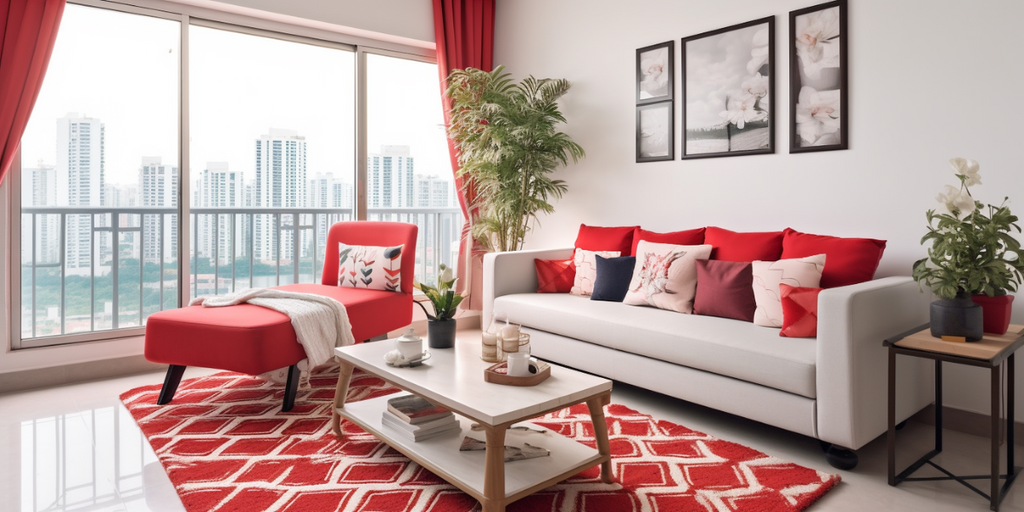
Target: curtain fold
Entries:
(28, 29)
(464, 32)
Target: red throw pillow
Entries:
(554, 276)
(688, 237)
(799, 311)
(847, 260)
(733, 246)
(725, 289)
(594, 238)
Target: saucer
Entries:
(411, 363)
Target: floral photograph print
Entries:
(818, 81)
(728, 91)
(654, 139)
(654, 72)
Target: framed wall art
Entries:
(654, 73)
(728, 91)
(654, 138)
(819, 112)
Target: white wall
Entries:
(929, 80)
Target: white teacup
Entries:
(410, 346)
(519, 364)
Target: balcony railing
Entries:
(74, 258)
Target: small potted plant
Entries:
(973, 252)
(441, 324)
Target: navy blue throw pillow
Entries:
(613, 276)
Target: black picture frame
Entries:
(819, 80)
(729, 91)
(655, 137)
(655, 73)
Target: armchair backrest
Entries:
(386, 234)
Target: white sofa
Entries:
(833, 388)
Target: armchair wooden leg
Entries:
(171, 381)
(291, 388)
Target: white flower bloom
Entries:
(817, 41)
(963, 205)
(742, 111)
(446, 276)
(756, 85)
(759, 53)
(817, 114)
(947, 195)
(966, 170)
(655, 78)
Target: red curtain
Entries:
(464, 31)
(28, 29)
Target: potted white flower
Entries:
(973, 252)
(445, 302)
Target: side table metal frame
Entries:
(996, 494)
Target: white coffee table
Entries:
(454, 379)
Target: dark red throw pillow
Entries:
(554, 276)
(733, 246)
(847, 260)
(725, 289)
(687, 237)
(799, 311)
(595, 238)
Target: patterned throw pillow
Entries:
(665, 275)
(768, 275)
(586, 270)
(370, 267)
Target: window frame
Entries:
(317, 34)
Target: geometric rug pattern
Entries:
(226, 446)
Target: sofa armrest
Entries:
(852, 377)
(513, 272)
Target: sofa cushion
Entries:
(665, 276)
(586, 270)
(687, 237)
(596, 238)
(724, 288)
(768, 275)
(370, 267)
(719, 345)
(850, 260)
(613, 276)
(733, 246)
(554, 276)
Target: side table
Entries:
(991, 352)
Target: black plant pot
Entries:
(441, 333)
(959, 317)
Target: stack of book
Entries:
(416, 419)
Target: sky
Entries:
(240, 87)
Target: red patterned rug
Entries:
(226, 446)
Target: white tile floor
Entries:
(76, 448)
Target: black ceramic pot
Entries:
(959, 317)
(441, 333)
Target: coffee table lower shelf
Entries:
(465, 470)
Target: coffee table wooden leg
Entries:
(344, 376)
(494, 470)
(596, 406)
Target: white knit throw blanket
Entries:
(321, 323)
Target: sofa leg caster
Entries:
(839, 457)
(171, 381)
(291, 388)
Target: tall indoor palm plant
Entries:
(508, 144)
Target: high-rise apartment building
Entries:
(219, 187)
(433, 192)
(39, 188)
(80, 175)
(158, 187)
(326, 191)
(280, 182)
(390, 178)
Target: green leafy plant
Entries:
(972, 246)
(508, 144)
(442, 297)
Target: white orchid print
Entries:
(743, 110)
(654, 68)
(759, 53)
(817, 114)
(817, 41)
(756, 85)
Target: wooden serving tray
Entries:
(498, 374)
